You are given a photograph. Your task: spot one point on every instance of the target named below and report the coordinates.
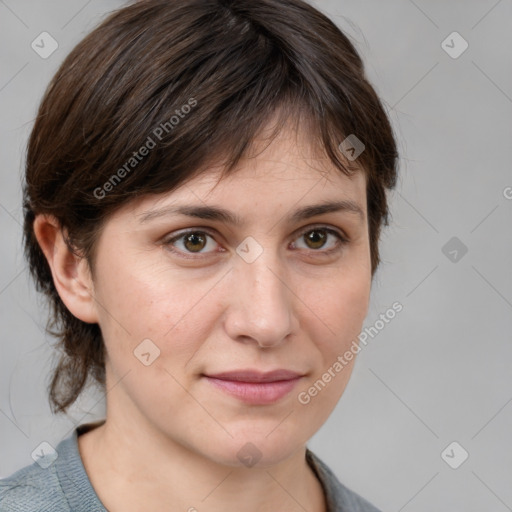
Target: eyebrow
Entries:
(221, 214)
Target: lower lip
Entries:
(256, 393)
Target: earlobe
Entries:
(71, 274)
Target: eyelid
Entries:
(326, 227)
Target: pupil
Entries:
(194, 238)
(316, 239)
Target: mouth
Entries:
(254, 387)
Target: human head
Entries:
(196, 80)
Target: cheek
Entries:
(140, 302)
(338, 309)
(338, 316)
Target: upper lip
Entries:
(256, 376)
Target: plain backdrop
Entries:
(440, 371)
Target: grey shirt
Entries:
(61, 484)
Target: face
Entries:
(196, 311)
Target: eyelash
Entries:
(342, 241)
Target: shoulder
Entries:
(32, 488)
(339, 497)
(56, 482)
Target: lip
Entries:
(255, 387)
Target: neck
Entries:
(136, 467)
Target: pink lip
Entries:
(255, 387)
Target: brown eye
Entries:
(194, 242)
(315, 238)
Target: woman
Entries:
(205, 187)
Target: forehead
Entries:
(286, 171)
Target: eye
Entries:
(195, 241)
(190, 242)
(316, 238)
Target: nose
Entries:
(261, 305)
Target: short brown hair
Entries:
(233, 63)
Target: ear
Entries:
(71, 273)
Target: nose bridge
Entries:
(261, 305)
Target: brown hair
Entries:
(187, 80)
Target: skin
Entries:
(170, 437)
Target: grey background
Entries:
(440, 371)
